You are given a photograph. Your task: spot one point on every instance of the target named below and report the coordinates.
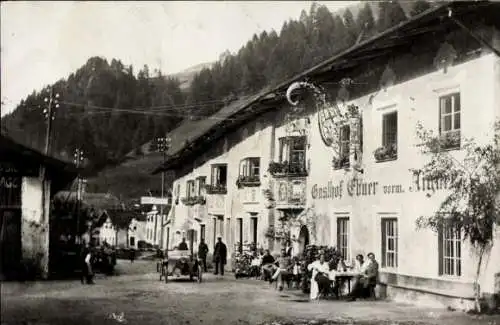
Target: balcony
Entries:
(290, 193)
(248, 181)
(216, 189)
(285, 169)
(193, 200)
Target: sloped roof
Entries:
(120, 218)
(60, 172)
(191, 136)
(101, 201)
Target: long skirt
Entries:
(318, 287)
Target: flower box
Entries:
(386, 153)
(247, 181)
(278, 169)
(339, 163)
(450, 140)
(193, 200)
(216, 189)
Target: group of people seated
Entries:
(326, 276)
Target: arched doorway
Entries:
(303, 239)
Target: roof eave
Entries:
(431, 14)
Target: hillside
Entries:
(186, 76)
(114, 114)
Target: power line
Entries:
(109, 110)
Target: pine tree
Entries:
(390, 14)
(419, 7)
(366, 22)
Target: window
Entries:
(200, 185)
(132, 241)
(254, 229)
(202, 232)
(390, 129)
(190, 189)
(221, 225)
(450, 251)
(345, 144)
(389, 242)
(250, 167)
(219, 175)
(343, 237)
(449, 120)
(293, 151)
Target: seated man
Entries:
(284, 269)
(183, 245)
(367, 280)
(268, 268)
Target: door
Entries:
(254, 231)
(10, 241)
(240, 234)
(202, 232)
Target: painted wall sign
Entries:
(10, 182)
(9, 169)
(355, 188)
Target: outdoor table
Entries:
(345, 276)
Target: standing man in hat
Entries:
(220, 256)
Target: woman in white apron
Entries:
(320, 273)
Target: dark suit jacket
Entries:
(220, 253)
(202, 250)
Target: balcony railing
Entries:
(386, 153)
(248, 181)
(283, 169)
(193, 200)
(216, 188)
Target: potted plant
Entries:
(276, 168)
(385, 153)
(216, 188)
(450, 140)
(252, 180)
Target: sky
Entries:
(42, 42)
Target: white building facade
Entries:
(136, 233)
(289, 173)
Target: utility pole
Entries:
(49, 115)
(163, 146)
(78, 159)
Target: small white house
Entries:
(107, 232)
(136, 232)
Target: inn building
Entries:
(262, 170)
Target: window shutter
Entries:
(338, 234)
(383, 232)
(440, 251)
